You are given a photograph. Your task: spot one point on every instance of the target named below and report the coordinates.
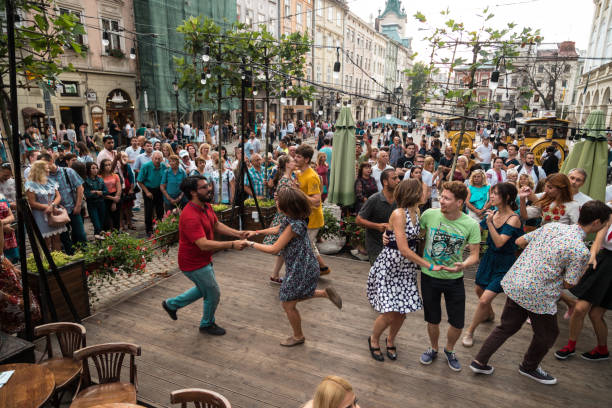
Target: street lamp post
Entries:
(176, 97)
(399, 92)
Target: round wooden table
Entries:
(118, 405)
(30, 386)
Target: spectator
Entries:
(128, 196)
(577, 178)
(365, 185)
(407, 161)
(555, 204)
(107, 153)
(95, 191)
(327, 150)
(44, 198)
(323, 172)
(70, 187)
(461, 170)
(83, 153)
(396, 151)
(144, 157)
(229, 183)
(98, 139)
(497, 174)
(446, 162)
(477, 200)
(31, 156)
(149, 180)
(258, 178)
(7, 184)
(529, 167)
(186, 163)
(133, 151)
(381, 165)
(10, 241)
(333, 392)
(253, 145)
(512, 160)
(170, 184)
(113, 198)
(550, 162)
(200, 169)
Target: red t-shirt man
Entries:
(195, 222)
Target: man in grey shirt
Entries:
(375, 213)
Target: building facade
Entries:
(103, 85)
(256, 12)
(593, 89)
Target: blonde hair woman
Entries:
(43, 196)
(204, 152)
(461, 170)
(333, 392)
(477, 200)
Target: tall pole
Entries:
(267, 149)
(221, 165)
(10, 25)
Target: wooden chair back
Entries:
(108, 360)
(200, 398)
(70, 336)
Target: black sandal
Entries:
(377, 357)
(391, 352)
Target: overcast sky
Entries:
(558, 20)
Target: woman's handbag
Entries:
(58, 218)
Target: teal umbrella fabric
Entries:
(391, 121)
(591, 155)
(342, 175)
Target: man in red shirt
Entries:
(197, 226)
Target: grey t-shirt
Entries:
(376, 209)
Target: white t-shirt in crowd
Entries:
(493, 178)
(187, 130)
(536, 179)
(376, 172)
(484, 152)
(609, 193)
(581, 198)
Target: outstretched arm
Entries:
(280, 243)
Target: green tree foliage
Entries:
(419, 85)
(42, 36)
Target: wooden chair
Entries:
(107, 359)
(65, 369)
(200, 398)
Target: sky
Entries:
(558, 20)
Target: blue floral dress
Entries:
(279, 217)
(301, 264)
(45, 194)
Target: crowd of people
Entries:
(421, 210)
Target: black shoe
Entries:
(539, 375)
(564, 353)
(595, 355)
(213, 330)
(391, 351)
(376, 356)
(481, 368)
(171, 313)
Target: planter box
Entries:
(168, 239)
(248, 223)
(75, 281)
(226, 218)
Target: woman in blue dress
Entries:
(302, 267)
(504, 227)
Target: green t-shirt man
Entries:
(446, 239)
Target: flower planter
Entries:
(75, 280)
(252, 224)
(229, 219)
(332, 245)
(168, 239)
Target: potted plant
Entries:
(331, 234)
(355, 234)
(166, 230)
(72, 272)
(117, 254)
(267, 208)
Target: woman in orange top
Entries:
(113, 185)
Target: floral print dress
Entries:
(279, 217)
(301, 264)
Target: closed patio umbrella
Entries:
(391, 121)
(342, 177)
(591, 154)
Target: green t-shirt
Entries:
(446, 239)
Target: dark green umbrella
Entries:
(342, 177)
(591, 154)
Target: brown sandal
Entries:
(292, 341)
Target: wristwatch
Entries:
(251, 243)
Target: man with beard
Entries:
(197, 226)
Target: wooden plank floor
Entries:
(248, 366)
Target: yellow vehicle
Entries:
(453, 130)
(540, 133)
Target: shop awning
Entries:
(31, 112)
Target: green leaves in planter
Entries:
(332, 228)
(354, 233)
(220, 207)
(59, 258)
(263, 203)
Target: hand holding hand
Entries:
(247, 234)
(240, 244)
(457, 268)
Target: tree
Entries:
(419, 85)
(41, 38)
(487, 45)
(545, 83)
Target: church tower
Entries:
(392, 22)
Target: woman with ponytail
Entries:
(504, 227)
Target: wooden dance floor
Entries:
(251, 369)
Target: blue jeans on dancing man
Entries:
(206, 287)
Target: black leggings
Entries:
(112, 217)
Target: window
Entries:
(330, 13)
(70, 88)
(249, 17)
(536, 98)
(567, 67)
(538, 84)
(287, 8)
(298, 16)
(318, 38)
(329, 75)
(261, 18)
(318, 73)
(330, 41)
(309, 20)
(540, 69)
(564, 83)
(320, 8)
(62, 11)
(114, 40)
(338, 18)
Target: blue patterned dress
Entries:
(300, 263)
(392, 282)
(45, 194)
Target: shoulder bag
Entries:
(58, 217)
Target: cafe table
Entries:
(118, 405)
(31, 385)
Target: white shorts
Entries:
(312, 235)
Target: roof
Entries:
(393, 6)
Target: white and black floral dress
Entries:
(392, 283)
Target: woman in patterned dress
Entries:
(392, 282)
(302, 275)
(43, 196)
(10, 241)
(282, 179)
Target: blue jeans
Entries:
(75, 233)
(206, 287)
